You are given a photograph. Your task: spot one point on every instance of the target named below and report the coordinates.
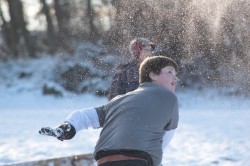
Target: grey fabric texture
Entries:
(138, 120)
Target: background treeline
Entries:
(209, 39)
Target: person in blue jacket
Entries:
(126, 76)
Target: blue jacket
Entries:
(125, 79)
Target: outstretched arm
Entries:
(84, 119)
(76, 121)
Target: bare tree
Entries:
(8, 35)
(18, 25)
(50, 27)
(90, 14)
(63, 11)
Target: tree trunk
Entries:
(62, 9)
(19, 25)
(62, 12)
(9, 35)
(90, 14)
(50, 27)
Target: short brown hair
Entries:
(154, 64)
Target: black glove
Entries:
(64, 131)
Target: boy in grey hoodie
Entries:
(134, 125)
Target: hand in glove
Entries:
(64, 131)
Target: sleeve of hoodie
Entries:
(101, 112)
(167, 138)
(83, 119)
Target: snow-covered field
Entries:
(213, 129)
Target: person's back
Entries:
(125, 79)
(132, 121)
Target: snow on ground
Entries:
(213, 129)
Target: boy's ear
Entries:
(152, 76)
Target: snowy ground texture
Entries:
(213, 129)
